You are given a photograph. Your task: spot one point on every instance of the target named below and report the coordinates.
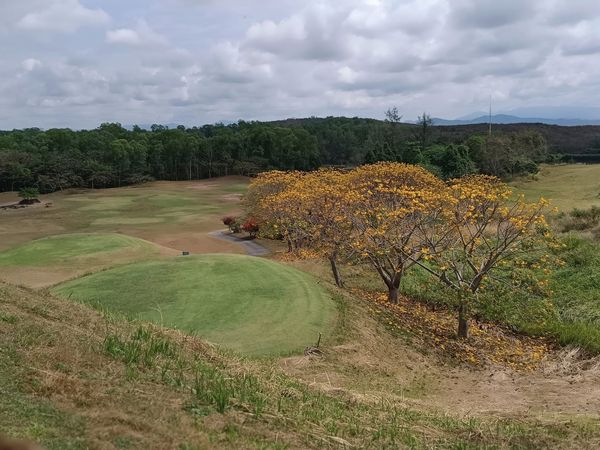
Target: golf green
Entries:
(250, 305)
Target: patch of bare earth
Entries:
(375, 363)
(194, 242)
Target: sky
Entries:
(79, 63)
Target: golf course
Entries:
(566, 186)
(130, 312)
(253, 306)
(119, 250)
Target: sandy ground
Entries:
(193, 242)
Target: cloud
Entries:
(141, 35)
(30, 64)
(206, 60)
(64, 16)
(491, 13)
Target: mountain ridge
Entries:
(511, 119)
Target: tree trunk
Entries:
(393, 295)
(463, 320)
(336, 273)
(394, 288)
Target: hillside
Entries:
(561, 139)
(74, 378)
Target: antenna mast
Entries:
(490, 124)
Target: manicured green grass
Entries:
(566, 186)
(250, 305)
(74, 249)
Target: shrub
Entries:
(232, 223)
(581, 219)
(251, 227)
(29, 193)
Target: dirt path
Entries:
(251, 247)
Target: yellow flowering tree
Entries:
(392, 204)
(328, 202)
(484, 228)
(266, 203)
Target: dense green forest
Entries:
(112, 155)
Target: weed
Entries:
(8, 318)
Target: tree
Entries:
(272, 204)
(483, 230)
(424, 122)
(251, 227)
(391, 203)
(326, 216)
(393, 116)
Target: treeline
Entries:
(354, 141)
(565, 140)
(112, 156)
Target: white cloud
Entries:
(30, 64)
(207, 60)
(141, 35)
(62, 16)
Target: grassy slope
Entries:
(54, 259)
(251, 305)
(74, 250)
(72, 378)
(566, 186)
(576, 286)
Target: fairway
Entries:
(566, 186)
(178, 215)
(48, 261)
(250, 305)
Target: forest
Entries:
(112, 155)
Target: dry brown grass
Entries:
(173, 214)
(370, 390)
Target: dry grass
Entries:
(172, 214)
(488, 344)
(90, 381)
(567, 186)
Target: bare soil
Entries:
(371, 364)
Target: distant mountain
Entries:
(554, 112)
(507, 119)
(473, 115)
